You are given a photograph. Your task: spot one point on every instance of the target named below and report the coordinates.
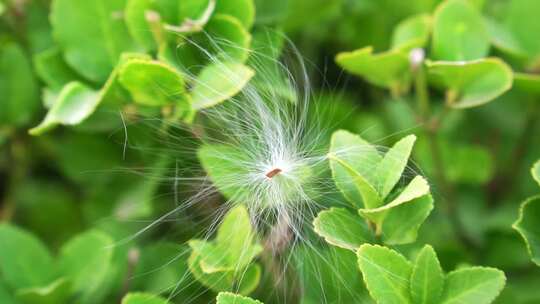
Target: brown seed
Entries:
(273, 172)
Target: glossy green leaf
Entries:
(231, 298)
(56, 292)
(412, 32)
(225, 262)
(228, 37)
(85, 261)
(143, 298)
(353, 162)
(5, 295)
(399, 220)
(92, 35)
(24, 261)
(153, 83)
(52, 69)
(459, 32)
(390, 168)
(527, 226)
(479, 285)
(472, 83)
(386, 274)
(395, 75)
(342, 228)
(18, 87)
(243, 10)
(427, 278)
(75, 103)
(236, 238)
(218, 82)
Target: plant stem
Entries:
(431, 127)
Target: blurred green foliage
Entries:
(77, 192)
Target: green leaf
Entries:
(527, 226)
(459, 32)
(220, 163)
(386, 274)
(472, 83)
(143, 298)
(53, 70)
(137, 22)
(218, 82)
(18, 88)
(391, 167)
(75, 103)
(6, 296)
(227, 34)
(225, 262)
(243, 10)
(479, 285)
(398, 221)
(527, 83)
(161, 268)
(58, 291)
(85, 261)
(353, 162)
(427, 278)
(395, 75)
(535, 171)
(342, 228)
(412, 32)
(92, 35)
(153, 83)
(24, 261)
(522, 22)
(231, 298)
(236, 238)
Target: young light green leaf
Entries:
(92, 35)
(535, 171)
(391, 167)
(53, 70)
(427, 278)
(386, 274)
(459, 32)
(218, 82)
(228, 36)
(412, 32)
(236, 239)
(143, 298)
(471, 83)
(24, 261)
(353, 162)
(85, 261)
(231, 298)
(418, 187)
(243, 10)
(342, 228)
(479, 285)
(136, 14)
(527, 226)
(18, 88)
(395, 75)
(153, 83)
(75, 103)
(56, 292)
